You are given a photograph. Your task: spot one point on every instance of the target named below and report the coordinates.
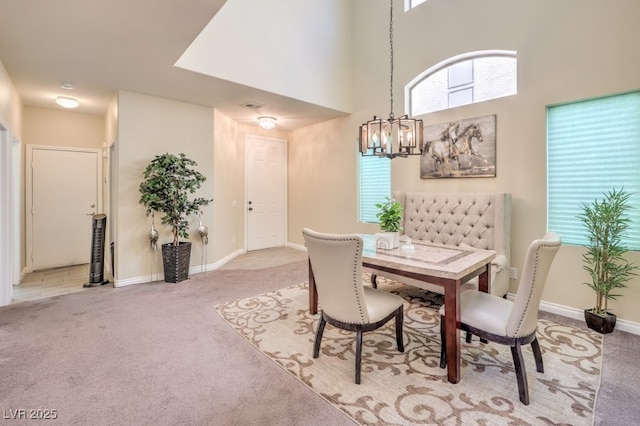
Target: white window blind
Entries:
(593, 147)
(374, 181)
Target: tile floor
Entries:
(51, 282)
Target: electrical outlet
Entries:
(513, 273)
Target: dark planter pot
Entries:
(175, 261)
(598, 323)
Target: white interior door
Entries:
(65, 194)
(266, 170)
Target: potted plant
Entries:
(390, 215)
(605, 222)
(168, 181)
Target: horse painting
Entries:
(463, 144)
(442, 150)
(439, 152)
(443, 155)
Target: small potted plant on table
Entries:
(606, 222)
(168, 181)
(390, 215)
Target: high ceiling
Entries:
(102, 46)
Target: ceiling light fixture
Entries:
(66, 102)
(379, 135)
(267, 122)
(67, 86)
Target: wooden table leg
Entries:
(451, 321)
(483, 280)
(484, 285)
(313, 292)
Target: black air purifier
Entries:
(96, 268)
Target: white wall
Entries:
(251, 43)
(567, 51)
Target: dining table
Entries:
(448, 266)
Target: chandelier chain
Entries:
(391, 55)
(391, 137)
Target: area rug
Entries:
(410, 387)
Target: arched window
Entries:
(410, 4)
(463, 79)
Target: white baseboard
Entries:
(23, 272)
(137, 280)
(192, 270)
(565, 311)
(578, 314)
(297, 246)
(220, 262)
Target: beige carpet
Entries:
(410, 387)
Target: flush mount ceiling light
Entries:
(67, 86)
(379, 135)
(267, 122)
(66, 102)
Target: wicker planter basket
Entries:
(175, 261)
(600, 324)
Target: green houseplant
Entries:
(390, 215)
(168, 182)
(606, 222)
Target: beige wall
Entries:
(10, 104)
(323, 179)
(229, 182)
(226, 226)
(63, 128)
(11, 129)
(567, 51)
(149, 126)
(56, 127)
(111, 179)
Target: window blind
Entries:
(374, 181)
(593, 146)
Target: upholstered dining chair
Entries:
(336, 263)
(510, 323)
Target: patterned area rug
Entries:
(410, 387)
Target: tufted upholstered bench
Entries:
(465, 219)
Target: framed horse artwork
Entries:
(463, 148)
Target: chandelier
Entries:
(391, 137)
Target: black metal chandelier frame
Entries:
(378, 135)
